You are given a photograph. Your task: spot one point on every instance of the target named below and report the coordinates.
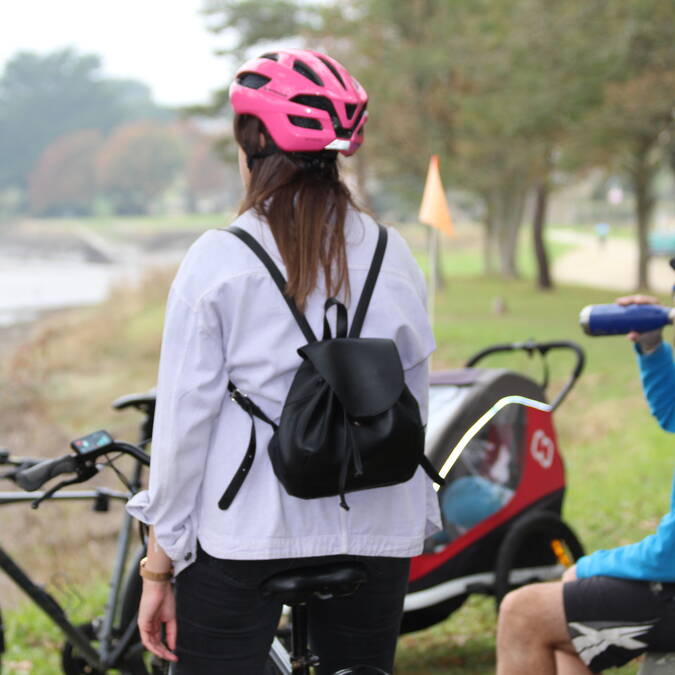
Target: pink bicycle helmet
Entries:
(307, 101)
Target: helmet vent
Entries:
(320, 102)
(272, 56)
(333, 70)
(302, 68)
(351, 109)
(252, 80)
(323, 103)
(305, 122)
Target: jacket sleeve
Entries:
(652, 559)
(190, 391)
(657, 372)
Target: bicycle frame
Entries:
(106, 656)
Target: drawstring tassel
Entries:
(354, 447)
(344, 468)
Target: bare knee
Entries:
(532, 614)
(517, 612)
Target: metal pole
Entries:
(433, 276)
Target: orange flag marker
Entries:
(434, 209)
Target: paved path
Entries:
(612, 266)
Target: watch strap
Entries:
(153, 576)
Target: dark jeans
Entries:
(225, 626)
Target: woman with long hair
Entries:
(295, 111)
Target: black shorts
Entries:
(611, 621)
(225, 625)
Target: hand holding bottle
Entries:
(650, 340)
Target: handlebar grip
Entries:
(36, 476)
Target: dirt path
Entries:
(612, 266)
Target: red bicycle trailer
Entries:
(490, 434)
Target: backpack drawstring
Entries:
(350, 451)
(355, 452)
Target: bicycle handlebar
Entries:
(36, 476)
(531, 347)
(82, 464)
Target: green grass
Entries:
(34, 642)
(619, 463)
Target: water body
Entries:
(28, 286)
(41, 272)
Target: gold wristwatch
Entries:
(153, 576)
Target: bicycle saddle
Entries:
(323, 581)
(143, 402)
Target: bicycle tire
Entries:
(536, 529)
(71, 662)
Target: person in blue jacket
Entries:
(614, 604)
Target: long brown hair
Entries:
(305, 203)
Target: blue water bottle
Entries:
(620, 320)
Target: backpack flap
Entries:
(365, 374)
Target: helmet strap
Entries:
(270, 149)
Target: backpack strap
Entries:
(243, 401)
(366, 294)
(246, 404)
(277, 276)
(430, 471)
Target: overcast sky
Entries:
(163, 43)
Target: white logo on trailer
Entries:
(542, 448)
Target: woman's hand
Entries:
(157, 609)
(650, 340)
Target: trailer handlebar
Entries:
(543, 348)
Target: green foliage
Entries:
(137, 164)
(64, 178)
(502, 91)
(250, 22)
(43, 97)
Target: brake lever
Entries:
(85, 473)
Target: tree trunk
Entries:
(511, 201)
(489, 249)
(642, 171)
(544, 281)
(644, 207)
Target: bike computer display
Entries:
(97, 439)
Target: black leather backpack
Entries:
(349, 421)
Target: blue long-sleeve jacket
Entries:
(653, 558)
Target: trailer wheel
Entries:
(536, 540)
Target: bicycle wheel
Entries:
(538, 547)
(72, 662)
